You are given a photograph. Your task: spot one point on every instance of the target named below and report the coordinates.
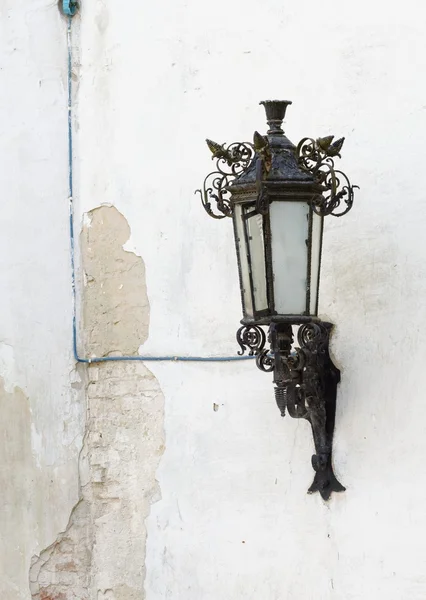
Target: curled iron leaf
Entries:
(265, 361)
(252, 338)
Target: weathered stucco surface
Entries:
(101, 555)
(18, 476)
(42, 407)
(125, 443)
(115, 302)
(102, 552)
(62, 571)
(234, 521)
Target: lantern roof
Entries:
(284, 166)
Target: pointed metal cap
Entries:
(275, 113)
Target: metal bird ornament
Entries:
(219, 151)
(262, 147)
(330, 149)
(260, 142)
(335, 147)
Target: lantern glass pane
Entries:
(316, 243)
(256, 244)
(289, 240)
(240, 239)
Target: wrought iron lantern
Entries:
(278, 195)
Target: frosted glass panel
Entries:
(242, 252)
(289, 231)
(254, 227)
(317, 223)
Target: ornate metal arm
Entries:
(317, 158)
(305, 381)
(231, 161)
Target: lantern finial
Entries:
(275, 113)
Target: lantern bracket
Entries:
(305, 380)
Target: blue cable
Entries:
(69, 8)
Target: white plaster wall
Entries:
(41, 406)
(153, 81)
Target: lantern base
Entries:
(305, 381)
(290, 319)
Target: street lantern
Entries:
(277, 195)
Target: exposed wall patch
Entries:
(116, 306)
(101, 555)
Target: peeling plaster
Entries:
(101, 554)
(116, 307)
(62, 571)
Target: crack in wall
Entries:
(101, 555)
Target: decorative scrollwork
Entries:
(296, 361)
(265, 361)
(231, 161)
(317, 158)
(252, 338)
(311, 333)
